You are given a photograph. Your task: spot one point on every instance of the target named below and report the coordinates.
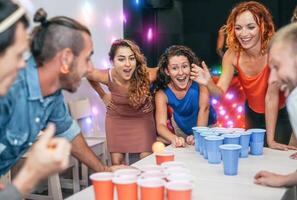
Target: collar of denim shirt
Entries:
(32, 80)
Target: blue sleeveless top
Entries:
(185, 111)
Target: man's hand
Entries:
(49, 155)
(270, 179)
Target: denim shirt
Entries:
(24, 112)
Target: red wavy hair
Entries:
(262, 17)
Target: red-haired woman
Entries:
(249, 30)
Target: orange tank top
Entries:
(255, 88)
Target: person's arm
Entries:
(271, 113)
(152, 73)
(203, 77)
(221, 41)
(203, 113)
(48, 156)
(106, 97)
(161, 120)
(83, 153)
(276, 180)
(98, 76)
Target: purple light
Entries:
(239, 109)
(113, 38)
(150, 34)
(88, 120)
(222, 112)
(230, 123)
(108, 21)
(123, 18)
(221, 108)
(229, 96)
(94, 110)
(214, 101)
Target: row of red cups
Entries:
(170, 181)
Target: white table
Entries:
(211, 183)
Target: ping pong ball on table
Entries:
(158, 147)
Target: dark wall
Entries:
(190, 22)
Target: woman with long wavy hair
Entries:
(129, 124)
(249, 30)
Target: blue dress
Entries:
(185, 110)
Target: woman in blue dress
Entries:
(188, 100)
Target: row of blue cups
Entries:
(210, 143)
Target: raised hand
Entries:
(200, 75)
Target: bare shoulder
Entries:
(160, 96)
(229, 58)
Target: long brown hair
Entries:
(262, 17)
(139, 89)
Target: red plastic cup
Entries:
(151, 189)
(177, 190)
(126, 186)
(103, 186)
(164, 156)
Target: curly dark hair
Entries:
(139, 89)
(163, 79)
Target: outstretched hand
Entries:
(200, 74)
(269, 179)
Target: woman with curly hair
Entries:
(129, 124)
(249, 30)
(188, 100)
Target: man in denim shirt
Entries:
(49, 155)
(61, 49)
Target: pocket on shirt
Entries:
(16, 137)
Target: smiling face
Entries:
(179, 71)
(283, 65)
(124, 62)
(12, 60)
(247, 31)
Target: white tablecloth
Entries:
(210, 183)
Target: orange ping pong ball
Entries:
(158, 147)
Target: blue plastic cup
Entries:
(257, 134)
(196, 137)
(230, 155)
(203, 135)
(196, 131)
(245, 144)
(212, 147)
(231, 138)
(256, 148)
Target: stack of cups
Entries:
(103, 185)
(230, 154)
(257, 141)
